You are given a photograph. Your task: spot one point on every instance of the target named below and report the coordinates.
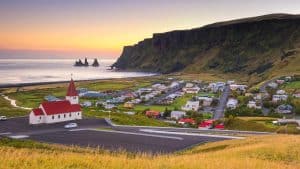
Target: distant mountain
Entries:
(249, 46)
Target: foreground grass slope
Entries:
(276, 152)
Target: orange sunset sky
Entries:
(68, 28)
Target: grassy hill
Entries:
(276, 152)
(259, 46)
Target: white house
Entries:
(238, 87)
(177, 114)
(277, 98)
(191, 90)
(58, 111)
(280, 92)
(231, 103)
(206, 100)
(252, 104)
(191, 105)
(273, 85)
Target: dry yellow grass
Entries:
(264, 152)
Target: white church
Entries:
(58, 111)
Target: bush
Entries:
(243, 111)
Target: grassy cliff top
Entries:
(276, 152)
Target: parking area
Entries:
(97, 133)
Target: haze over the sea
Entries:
(100, 28)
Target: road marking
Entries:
(189, 134)
(19, 136)
(7, 133)
(131, 133)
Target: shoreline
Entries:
(10, 85)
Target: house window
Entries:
(52, 117)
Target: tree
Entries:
(167, 113)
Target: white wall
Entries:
(63, 117)
(35, 119)
(73, 99)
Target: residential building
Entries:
(191, 106)
(177, 114)
(231, 103)
(284, 109)
(128, 104)
(280, 92)
(153, 114)
(184, 121)
(238, 87)
(253, 104)
(277, 98)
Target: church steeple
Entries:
(72, 89)
(72, 94)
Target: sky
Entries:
(100, 28)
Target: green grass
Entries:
(291, 86)
(249, 125)
(124, 119)
(33, 97)
(7, 110)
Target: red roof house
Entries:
(220, 126)
(186, 121)
(153, 113)
(206, 124)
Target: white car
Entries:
(2, 118)
(71, 125)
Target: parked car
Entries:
(3, 118)
(71, 125)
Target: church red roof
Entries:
(38, 112)
(72, 89)
(59, 107)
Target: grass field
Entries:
(252, 124)
(33, 96)
(7, 110)
(124, 119)
(291, 87)
(261, 152)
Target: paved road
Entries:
(219, 111)
(89, 133)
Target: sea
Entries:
(19, 71)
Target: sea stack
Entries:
(78, 63)
(86, 63)
(96, 63)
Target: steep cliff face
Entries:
(251, 45)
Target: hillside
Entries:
(250, 46)
(276, 152)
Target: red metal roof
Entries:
(59, 107)
(187, 120)
(152, 113)
(38, 112)
(220, 126)
(72, 89)
(206, 123)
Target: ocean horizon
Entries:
(17, 71)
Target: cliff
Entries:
(250, 46)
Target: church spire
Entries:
(72, 89)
